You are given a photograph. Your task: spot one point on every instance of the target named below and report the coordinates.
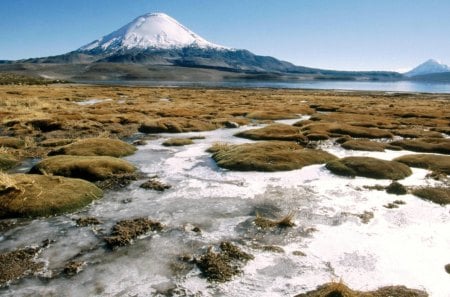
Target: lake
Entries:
(391, 86)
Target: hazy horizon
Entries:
(350, 35)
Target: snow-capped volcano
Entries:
(150, 31)
(428, 67)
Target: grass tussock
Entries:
(267, 156)
(18, 264)
(177, 142)
(91, 168)
(369, 167)
(274, 132)
(334, 129)
(7, 160)
(339, 289)
(265, 223)
(32, 195)
(175, 125)
(96, 147)
(125, 231)
(367, 145)
(223, 265)
(439, 195)
(426, 145)
(436, 163)
(11, 142)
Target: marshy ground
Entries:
(268, 173)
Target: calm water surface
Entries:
(395, 86)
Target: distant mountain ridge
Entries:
(150, 44)
(430, 66)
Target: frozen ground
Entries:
(407, 246)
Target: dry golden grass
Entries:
(267, 156)
(7, 160)
(96, 147)
(369, 167)
(339, 289)
(177, 142)
(438, 163)
(428, 145)
(265, 223)
(274, 132)
(32, 195)
(92, 168)
(436, 195)
(53, 112)
(367, 145)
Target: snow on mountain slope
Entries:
(430, 66)
(153, 30)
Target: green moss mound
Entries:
(96, 147)
(432, 162)
(274, 132)
(91, 168)
(267, 156)
(29, 195)
(369, 167)
(335, 289)
(437, 195)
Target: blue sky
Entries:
(333, 34)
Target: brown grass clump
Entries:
(124, 232)
(29, 195)
(339, 129)
(91, 168)
(11, 142)
(417, 133)
(7, 161)
(367, 145)
(175, 125)
(339, 289)
(96, 147)
(369, 167)
(274, 132)
(222, 266)
(432, 162)
(18, 264)
(267, 156)
(426, 145)
(396, 188)
(271, 115)
(177, 142)
(265, 223)
(437, 195)
(155, 184)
